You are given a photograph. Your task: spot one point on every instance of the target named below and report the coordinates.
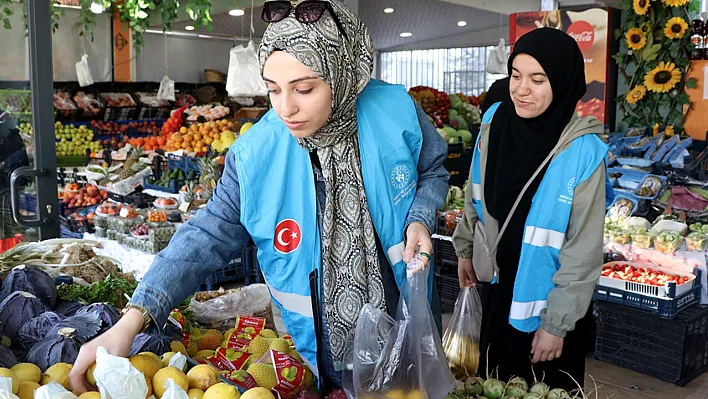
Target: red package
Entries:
(185, 339)
(242, 379)
(231, 360)
(288, 338)
(250, 325)
(289, 373)
(238, 342)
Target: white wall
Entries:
(66, 49)
(187, 58)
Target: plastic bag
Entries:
(401, 357)
(83, 72)
(244, 78)
(222, 311)
(461, 339)
(53, 391)
(174, 391)
(498, 59)
(178, 361)
(117, 378)
(6, 388)
(167, 89)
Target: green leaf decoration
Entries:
(691, 83)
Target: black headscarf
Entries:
(499, 91)
(518, 146)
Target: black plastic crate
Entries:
(671, 350)
(449, 288)
(444, 255)
(234, 271)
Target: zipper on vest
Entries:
(325, 383)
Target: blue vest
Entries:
(279, 205)
(544, 231)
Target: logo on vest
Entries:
(287, 236)
(400, 177)
(571, 186)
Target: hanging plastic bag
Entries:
(166, 90)
(461, 339)
(117, 378)
(53, 391)
(244, 78)
(6, 388)
(401, 357)
(83, 72)
(496, 64)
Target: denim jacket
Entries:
(214, 236)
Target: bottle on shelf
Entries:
(697, 38)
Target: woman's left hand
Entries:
(546, 347)
(418, 237)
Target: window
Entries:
(456, 70)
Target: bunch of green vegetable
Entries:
(112, 290)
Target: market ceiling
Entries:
(426, 20)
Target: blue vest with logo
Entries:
(279, 204)
(544, 231)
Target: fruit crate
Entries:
(444, 255)
(186, 164)
(235, 270)
(671, 350)
(120, 113)
(667, 306)
(173, 186)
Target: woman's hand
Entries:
(546, 347)
(418, 237)
(117, 342)
(466, 274)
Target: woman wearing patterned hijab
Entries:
(338, 186)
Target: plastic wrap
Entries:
(401, 357)
(251, 300)
(6, 388)
(461, 339)
(173, 391)
(244, 78)
(117, 378)
(83, 72)
(53, 390)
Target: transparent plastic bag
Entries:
(83, 72)
(174, 391)
(6, 388)
(248, 301)
(400, 357)
(53, 391)
(461, 339)
(244, 77)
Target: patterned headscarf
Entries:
(350, 266)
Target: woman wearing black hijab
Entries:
(497, 92)
(549, 255)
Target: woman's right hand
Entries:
(466, 274)
(117, 342)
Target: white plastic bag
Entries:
(116, 378)
(83, 72)
(6, 388)
(53, 391)
(248, 301)
(498, 58)
(244, 77)
(167, 89)
(174, 391)
(178, 361)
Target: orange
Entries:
(208, 140)
(197, 137)
(183, 130)
(205, 149)
(185, 144)
(194, 127)
(189, 149)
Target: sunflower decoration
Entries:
(675, 3)
(663, 78)
(636, 39)
(636, 94)
(642, 6)
(675, 28)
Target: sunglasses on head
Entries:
(307, 12)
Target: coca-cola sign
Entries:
(583, 33)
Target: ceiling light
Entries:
(388, 10)
(236, 13)
(462, 23)
(189, 27)
(96, 7)
(406, 34)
